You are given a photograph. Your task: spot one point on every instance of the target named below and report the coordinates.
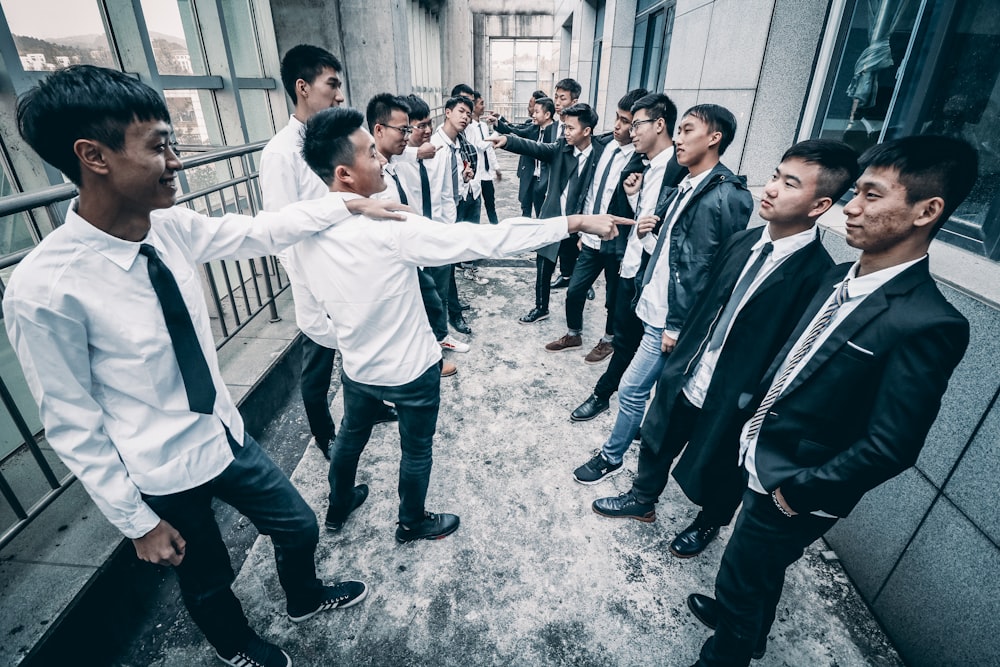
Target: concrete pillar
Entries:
(616, 58)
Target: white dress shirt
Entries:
(697, 386)
(654, 304)
(614, 176)
(858, 290)
(438, 168)
(285, 178)
(88, 329)
(581, 159)
(447, 148)
(644, 203)
(477, 133)
(365, 275)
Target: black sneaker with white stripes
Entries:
(338, 596)
(257, 653)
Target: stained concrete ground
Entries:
(533, 576)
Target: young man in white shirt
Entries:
(313, 80)
(365, 274)
(489, 169)
(118, 351)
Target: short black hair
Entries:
(419, 109)
(84, 102)
(658, 105)
(538, 94)
(462, 89)
(476, 95)
(586, 115)
(719, 119)
(326, 144)
(456, 100)
(380, 109)
(547, 104)
(837, 162)
(629, 99)
(928, 166)
(570, 86)
(305, 62)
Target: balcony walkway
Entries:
(532, 577)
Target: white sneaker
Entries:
(449, 343)
(473, 275)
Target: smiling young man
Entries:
(366, 273)
(848, 401)
(567, 93)
(708, 206)
(760, 284)
(108, 319)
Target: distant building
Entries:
(63, 61)
(34, 62)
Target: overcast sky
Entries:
(66, 18)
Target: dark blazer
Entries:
(708, 465)
(563, 176)
(859, 411)
(526, 165)
(619, 205)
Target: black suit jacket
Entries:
(564, 175)
(858, 412)
(709, 463)
(526, 165)
(672, 175)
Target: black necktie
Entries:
(425, 189)
(486, 158)
(399, 188)
(599, 195)
(191, 360)
(719, 334)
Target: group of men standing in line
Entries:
(783, 382)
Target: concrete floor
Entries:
(532, 577)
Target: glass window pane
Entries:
(654, 51)
(635, 74)
(599, 20)
(526, 55)
(502, 58)
(643, 5)
(241, 29)
(52, 34)
(257, 113)
(173, 32)
(14, 231)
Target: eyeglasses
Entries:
(425, 126)
(636, 124)
(406, 130)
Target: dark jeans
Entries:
(628, 334)
(537, 197)
(588, 267)
(260, 491)
(417, 404)
(656, 458)
(469, 209)
(764, 543)
(490, 201)
(568, 253)
(317, 372)
(544, 268)
(437, 317)
(444, 281)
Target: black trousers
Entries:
(588, 267)
(317, 372)
(569, 251)
(628, 333)
(490, 201)
(748, 587)
(437, 316)
(444, 280)
(544, 268)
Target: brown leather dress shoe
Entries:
(601, 352)
(567, 342)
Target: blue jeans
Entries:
(417, 403)
(633, 392)
(257, 488)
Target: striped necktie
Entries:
(818, 327)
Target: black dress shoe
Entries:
(706, 610)
(589, 409)
(464, 306)
(560, 282)
(388, 414)
(458, 324)
(624, 506)
(590, 294)
(692, 540)
(534, 315)
(335, 521)
(433, 527)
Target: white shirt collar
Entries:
(865, 285)
(119, 251)
(786, 246)
(585, 152)
(695, 181)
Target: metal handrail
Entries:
(235, 293)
